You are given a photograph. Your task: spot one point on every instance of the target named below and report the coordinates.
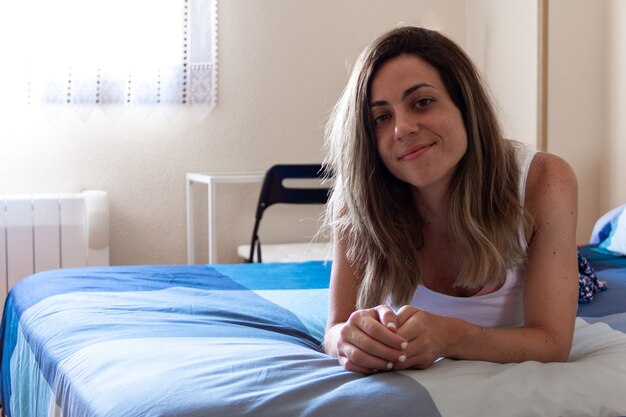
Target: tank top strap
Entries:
(525, 154)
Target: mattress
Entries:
(230, 340)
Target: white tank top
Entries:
(501, 308)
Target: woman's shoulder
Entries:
(548, 169)
(551, 179)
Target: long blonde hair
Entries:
(375, 212)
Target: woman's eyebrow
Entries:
(413, 89)
(406, 93)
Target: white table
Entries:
(211, 180)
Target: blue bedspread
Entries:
(183, 341)
(230, 340)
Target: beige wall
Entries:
(587, 100)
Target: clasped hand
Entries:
(379, 339)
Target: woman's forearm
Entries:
(504, 345)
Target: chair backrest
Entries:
(274, 191)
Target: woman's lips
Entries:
(415, 152)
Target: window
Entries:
(108, 52)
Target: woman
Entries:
(450, 241)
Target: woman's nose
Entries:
(405, 125)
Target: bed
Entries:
(231, 340)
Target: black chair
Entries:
(273, 191)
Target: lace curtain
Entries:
(109, 53)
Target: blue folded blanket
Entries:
(609, 232)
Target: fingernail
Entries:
(402, 358)
(404, 345)
(389, 365)
(391, 325)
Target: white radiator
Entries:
(39, 232)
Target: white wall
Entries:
(282, 65)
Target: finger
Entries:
(371, 342)
(420, 354)
(349, 366)
(354, 359)
(386, 338)
(420, 360)
(387, 317)
(414, 364)
(352, 367)
(405, 312)
(413, 324)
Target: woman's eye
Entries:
(423, 102)
(379, 120)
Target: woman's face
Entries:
(420, 135)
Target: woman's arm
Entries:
(362, 340)
(550, 289)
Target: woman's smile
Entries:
(415, 152)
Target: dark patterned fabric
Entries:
(588, 283)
